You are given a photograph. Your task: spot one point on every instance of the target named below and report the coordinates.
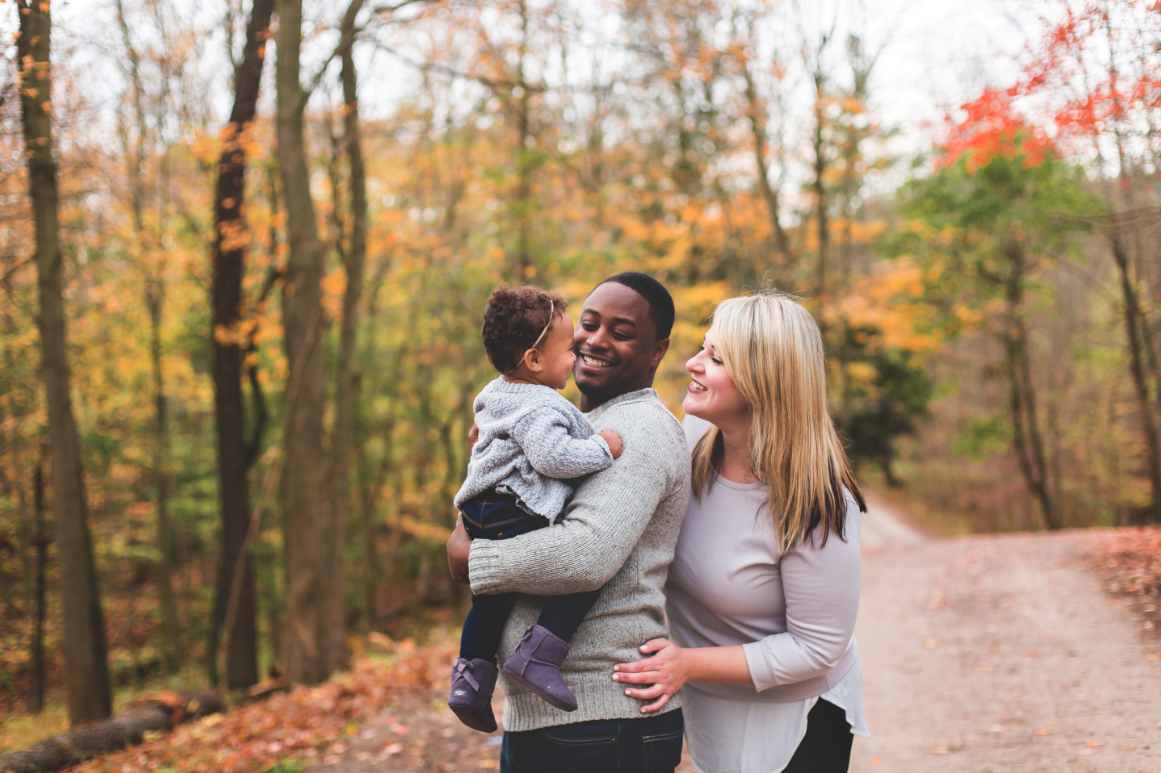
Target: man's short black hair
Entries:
(659, 300)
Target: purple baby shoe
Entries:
(473, 682)
(536, 665)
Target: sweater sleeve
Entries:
(821, 585)
(544, 437)
(600, 526)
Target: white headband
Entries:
(551, 314)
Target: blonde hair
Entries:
(773, 351)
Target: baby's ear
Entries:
(532, 361)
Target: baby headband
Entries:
(551, 314)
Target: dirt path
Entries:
(999, 653)
(982, 654)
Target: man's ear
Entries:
(659, 350)
(532, 361)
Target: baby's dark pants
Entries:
(496, 516)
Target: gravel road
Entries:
(999, 653)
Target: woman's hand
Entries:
(667, 670)
(459, 547)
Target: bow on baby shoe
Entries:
(464, 668)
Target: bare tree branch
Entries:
(12, 271)
(495, 85)
(316, 79)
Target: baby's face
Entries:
(557, 353)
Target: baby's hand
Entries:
(614, 441)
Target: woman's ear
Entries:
(533, 361)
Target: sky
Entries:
(936, 54)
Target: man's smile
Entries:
(595, 362)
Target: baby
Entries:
(532, 442)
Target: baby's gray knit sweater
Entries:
(531, 441)
(618, 534)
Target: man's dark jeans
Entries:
(645, 745)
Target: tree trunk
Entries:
(370, 482)
(757, 113)
(155, 302)
(83, 643)
(526, 271)
(1022, 393)
(1133, 334)
(37, 686)
(171, 650)
(305, 528)
(820, 194)
(234, 457)
(347, 375)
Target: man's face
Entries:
(616, 345)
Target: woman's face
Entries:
(711, 394)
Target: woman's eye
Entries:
(715, 361)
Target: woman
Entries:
(764, 587)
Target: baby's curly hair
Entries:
(513, 319)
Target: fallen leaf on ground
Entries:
(301, 725)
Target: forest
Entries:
(240, 310)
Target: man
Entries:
(617, 534)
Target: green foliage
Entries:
(983, 438)
(967, 221)
(884, 408)
(287, 766)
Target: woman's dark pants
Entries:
(646, 745)
(497, 517)
(826, 747)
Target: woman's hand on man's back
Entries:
(666, 671)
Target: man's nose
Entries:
(598, 339)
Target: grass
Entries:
(20, 730)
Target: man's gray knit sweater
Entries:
(618, 534)
(531, 441)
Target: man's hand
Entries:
(473, 436)
(614, 441)
(459, 547)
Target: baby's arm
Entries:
(552, 452)
(614, 441)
